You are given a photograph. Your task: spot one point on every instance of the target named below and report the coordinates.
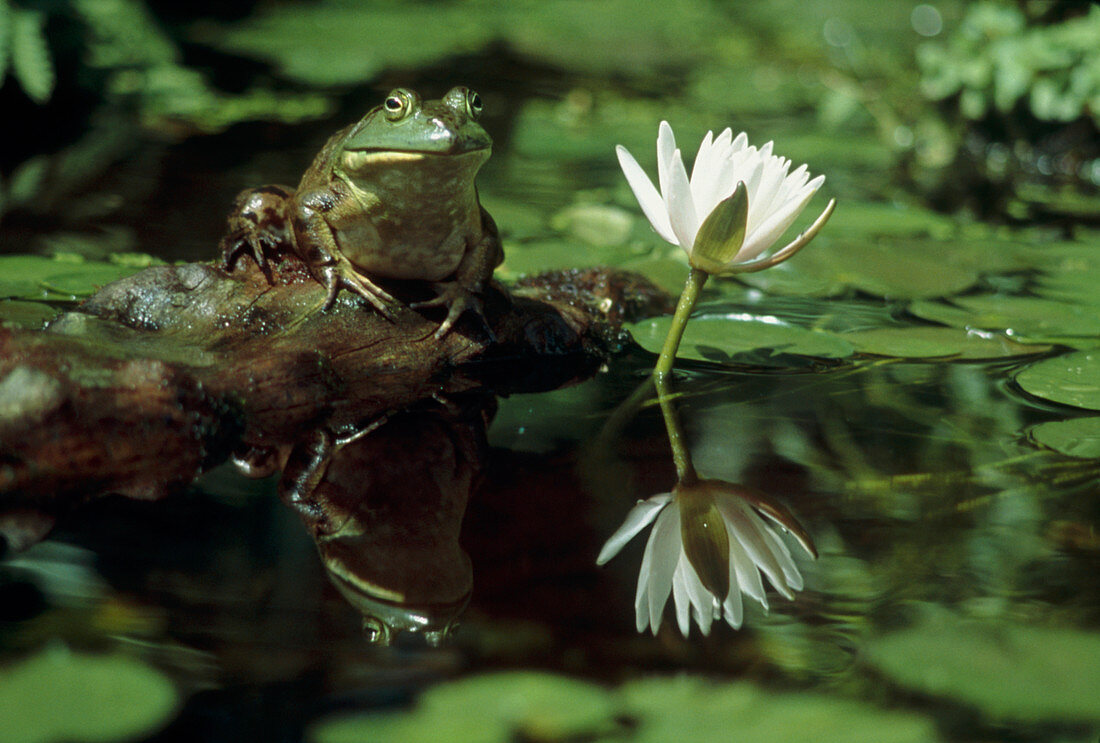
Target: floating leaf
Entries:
(685, 708)
(1073, 379)
(879, 268)
(30, 315)
(1026, 318)
(723, 337)
(58, 694)
(1009, 671)
(1076, 437)
(936, 342)
(60, 278)
(516, 705)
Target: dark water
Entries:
(958, 582)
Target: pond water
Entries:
(916, 388)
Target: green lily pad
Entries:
(685, 708)
(58, 694)
(722, 337)
(1076, 437)
(60, 278)
(516, 705)
(938, 342)
(1027, 319)
(29, 315)
(1009, 671)
(1073, 379)
(881, 268)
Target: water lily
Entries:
(711, 542)
(773, 196)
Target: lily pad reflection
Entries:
(1009, 671)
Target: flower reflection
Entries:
(709, 544)
(775, 197)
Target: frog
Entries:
(390, 197)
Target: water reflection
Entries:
(385, 507)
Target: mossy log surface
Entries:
(164, 374)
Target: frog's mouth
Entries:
(358, 160)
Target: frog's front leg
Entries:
(305, 470)
(317, 246)
(257, 222)
(462, 292)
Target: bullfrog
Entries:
(389, 197)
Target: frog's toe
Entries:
(334, 280)
(457, 299)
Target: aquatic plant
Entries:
(708, 545)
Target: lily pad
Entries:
(938, 342)
(60, 278)
(59, 694)
(516, 705)
(880, 268)
(1076, 437)
(29, 315)
(685, 708)
(1073, 379)
(1028, 319)
(1009, 671)
(722, 337)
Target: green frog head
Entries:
(405, 124)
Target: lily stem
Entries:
(662, 375)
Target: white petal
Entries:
(681, 207)
(702, 601)
(640, 516)
(653, 206)
(748, 576)
(680, 597)
(746, 525)
(663, 551)
(763, 236)
(783, 557)
(762, 200)
(666, 146)
(733, 608)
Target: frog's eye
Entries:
(397, 105)
(473, 103)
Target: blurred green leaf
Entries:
(1008, 671)
(59, 694)
(507, 706)
(687, 708)
(30, 55)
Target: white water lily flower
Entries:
(707, 582)
(775, 196)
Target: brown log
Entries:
(163, 374)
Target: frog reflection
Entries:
(385, 506)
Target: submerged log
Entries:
(164, 374)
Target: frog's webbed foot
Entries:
(457, 299)
(341, 275)
(256, 224)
